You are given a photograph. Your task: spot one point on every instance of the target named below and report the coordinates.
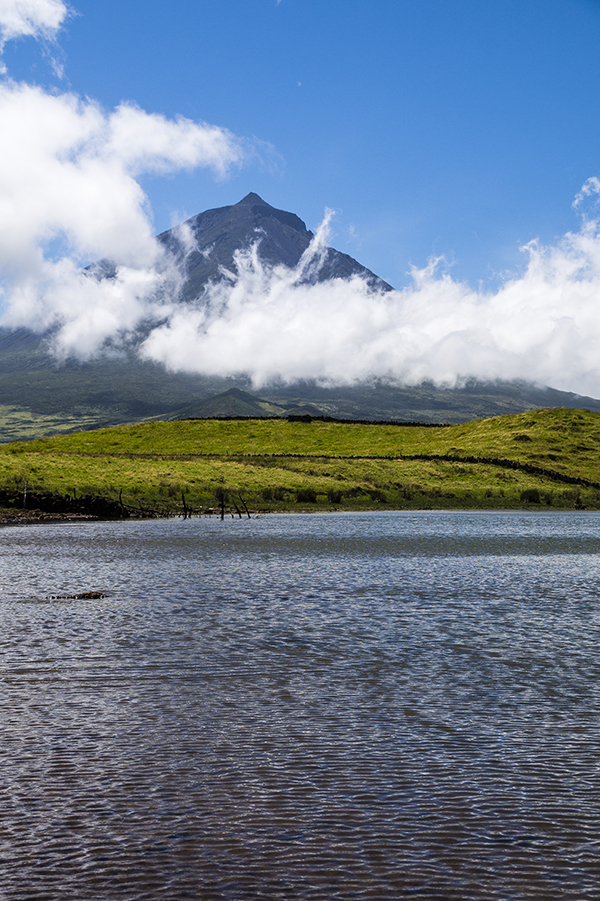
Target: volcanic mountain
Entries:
(282, 238)
(39, 396)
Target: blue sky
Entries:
(462, 129)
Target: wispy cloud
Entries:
(590, 189)
(31, 18)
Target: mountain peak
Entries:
(251, 198)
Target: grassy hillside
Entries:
(547, 457)
(18, 424)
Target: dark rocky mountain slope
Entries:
(283, 239)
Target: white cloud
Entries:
(69, 194)
(543, 326)
(31, 18)
(590, 188)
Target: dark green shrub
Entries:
(531, 496)
(306, 496)
(357, 491)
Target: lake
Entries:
(343, 706)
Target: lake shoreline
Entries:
(21, 517)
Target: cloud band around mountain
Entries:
(264, 321)
(542, 326)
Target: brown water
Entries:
(375, 706)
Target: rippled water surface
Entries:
(381, 706)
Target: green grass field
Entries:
(281, 465)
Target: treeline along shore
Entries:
(239, 467)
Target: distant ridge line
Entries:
(305, 417)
